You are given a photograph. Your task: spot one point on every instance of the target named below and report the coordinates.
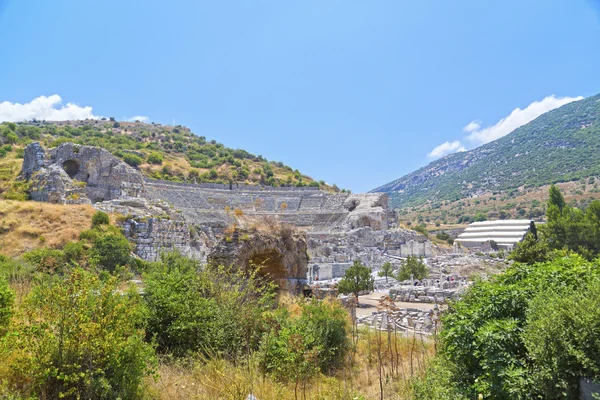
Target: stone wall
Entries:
(153, 236)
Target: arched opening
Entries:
(71, 168)
(364, 221)
(270, 265)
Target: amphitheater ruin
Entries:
(193, 218)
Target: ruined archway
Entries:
(71, 167)
(269, 264)
(279, 258)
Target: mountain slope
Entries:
(162, 152)
(559, 146)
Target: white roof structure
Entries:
(506, 232)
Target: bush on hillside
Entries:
(132, 159)
(78, 338)
(100, 218)
(310, 340)
(155, 158)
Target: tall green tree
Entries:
(556, 198)
(357, 279)
(387, 270)
(412, 266)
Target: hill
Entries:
(171, 153)
(561, 145)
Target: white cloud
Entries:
(44, 108)
(516, 119)
(141, 118)
(446, 148)
(473, 126)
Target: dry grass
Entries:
(25, 226)
(396, 358)
(219, 379)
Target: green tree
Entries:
(357, 279)
(193, 309)
(530, 250)
(533, 230)
(483, 342)
(412, 266)
(387, 270)
(556, 198)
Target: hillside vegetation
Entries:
(522, 203)
(559, 146)
(170, 153)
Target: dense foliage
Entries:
(314, 339)
(193, 309)
(78, 338)
(560, 145)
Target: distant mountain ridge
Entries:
(559, 146)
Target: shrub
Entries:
(132, 159)
(442, 236)
(45, 260)
(79, 338)
(73, 252)
(299, 346)
(192, 309)
(155, 158)
(561, 338)
(111, 250)
(100, 218)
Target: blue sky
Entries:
(357, 93)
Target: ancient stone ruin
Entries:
(72, 173)
(192, 218)
(280, 255)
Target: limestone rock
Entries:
(101, 175)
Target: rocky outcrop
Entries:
(280, 256)
(366, 210)
(74, 173)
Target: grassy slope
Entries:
(27, 225)
(559, 146)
